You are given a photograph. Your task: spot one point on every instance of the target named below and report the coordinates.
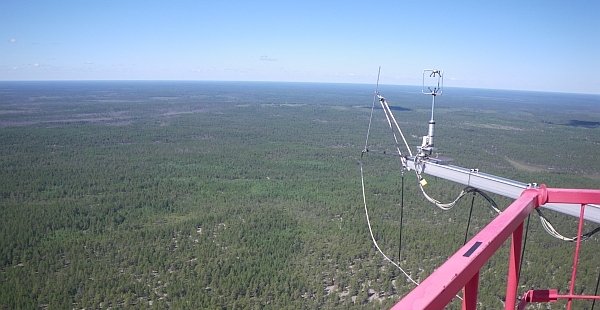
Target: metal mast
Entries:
(434, 90)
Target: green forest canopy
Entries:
(247, 195)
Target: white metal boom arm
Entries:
(494, 184)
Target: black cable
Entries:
(401, 218)
(484, 195)
(596, 290)
(584, 237)
(469, 220)
(589, 234)
(523, 249)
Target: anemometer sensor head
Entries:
(433, 82)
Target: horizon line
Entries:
(292, 82)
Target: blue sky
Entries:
(530, 45)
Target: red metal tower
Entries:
(461, 270)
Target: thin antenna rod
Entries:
(401, 220)
(366, 149)
(377, 87)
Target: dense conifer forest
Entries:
(206, 195)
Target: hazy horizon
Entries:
(304, 82)
(534, 45)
